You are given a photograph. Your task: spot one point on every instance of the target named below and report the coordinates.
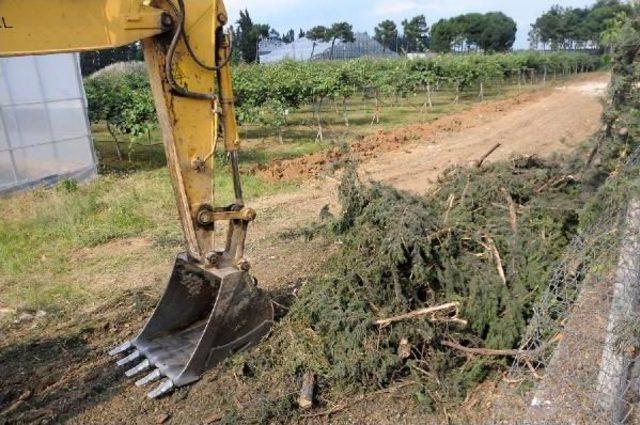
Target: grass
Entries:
(41, 231)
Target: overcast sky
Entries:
(365, 14)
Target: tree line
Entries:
(558, 28)
(577, 28)
(489, 32)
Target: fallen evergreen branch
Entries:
(451, 308)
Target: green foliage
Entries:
(570, 28)
(620, 135)
(293, 84)
(386, 33)
(416, 34)
(399, 253)
(248, 35)
(123, 100)
(318, 33)
(264, 94)
(490, 32)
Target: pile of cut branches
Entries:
(421, 285)
(438, 290)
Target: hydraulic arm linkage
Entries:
(211, 307)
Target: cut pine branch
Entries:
(513, 210)
(487, 155)
(555, 183)
(450, 308)
(528, 354)
(491, 247)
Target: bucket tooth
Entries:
(131, 357)
(138, 369)
(162, 389)
(152, 377)
(121, 349)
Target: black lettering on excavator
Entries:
(4, 24)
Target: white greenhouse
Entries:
(44, 130)
(303, 49)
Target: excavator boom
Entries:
(211, 307)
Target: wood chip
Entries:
(162, 418)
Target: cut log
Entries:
(305, 400)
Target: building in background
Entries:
(45, 134)
(303, 49)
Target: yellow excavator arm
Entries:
(211, 307)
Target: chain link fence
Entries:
(581, 351)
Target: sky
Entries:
(366, 14)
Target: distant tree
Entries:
(416, 34)
(386, 33)
(319, 33)
(289, 37)
(342, 31)
(571, 28)
(551, 28)
(443, 34)
(602, 15)
(614, 31)
(248, 36)
(274, 35)
(497, 32)
(301, 33)
(490, 32)
(534, 38)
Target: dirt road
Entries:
(547, 122)
(554, 123)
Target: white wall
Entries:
(44, 129)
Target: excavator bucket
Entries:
(203, 317)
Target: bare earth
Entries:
(555, 123)
(547, 122)
(61, 376)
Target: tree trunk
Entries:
(481, 95)
(320, 135)
(117, 142)
(345, 111)
(280, 138)
(376, 111)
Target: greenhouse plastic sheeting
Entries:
(303, 49)
(44, 130)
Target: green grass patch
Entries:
(42, 230)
